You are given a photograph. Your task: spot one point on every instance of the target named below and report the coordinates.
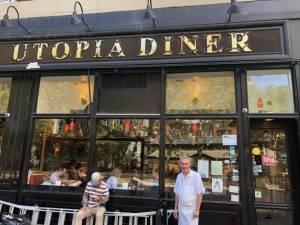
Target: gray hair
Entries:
(184, 157)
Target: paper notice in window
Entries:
(257, 194)
(216, 168)
(234, 189)
(203, 168)
(217, 185)
(229, 139)
(235, 198)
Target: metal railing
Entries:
(62, 216)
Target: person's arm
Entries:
(142, 182)
(200, 190)
(176, 207)
(198, 205)
(176, 191)
(85, 199)
(103, 198)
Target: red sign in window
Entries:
(269, 160)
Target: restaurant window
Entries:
(270, 91)
(202, 92)
(127, 153)
(65, 94)
(212, 147)
(129, 93)
(5, 85)
(59, 152)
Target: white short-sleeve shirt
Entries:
(188, 187)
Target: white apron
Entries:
(186, 206)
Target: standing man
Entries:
(188, 194)
(95, 196)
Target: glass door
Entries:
(271, 174)
(15, 98)
(5, 92)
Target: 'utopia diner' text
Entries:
(168, 45)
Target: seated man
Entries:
(95, 196)
(57, 176)
(153, 184)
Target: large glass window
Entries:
(5, 84)
(127, 153)
(270, 166)
(205, 92)
(129, 93)
(59, 152)
(212, 146)
(270, 91)
(65, 94)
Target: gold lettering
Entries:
(239, 39)
(16, 52)
(143, 47)
(168, 50)
(55, 49)
(81, 46)
(192, 46)
(116, 49)
(40, 50)
(98, 49)
(212, 41)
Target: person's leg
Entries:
(82, 214)
(100, 215)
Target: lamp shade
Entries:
(6, 22)
(149, 14)
(75, 19)
(233, 9)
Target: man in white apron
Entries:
(188, 194)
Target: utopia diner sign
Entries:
(148, 46)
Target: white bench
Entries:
(37, 213)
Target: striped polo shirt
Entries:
(93, 191)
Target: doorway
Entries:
(16, 91)
(273, 153)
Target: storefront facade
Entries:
(129, 103)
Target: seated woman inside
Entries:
(112, 181)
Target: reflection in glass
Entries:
(5, 84)
(131, 146)
(56, 143)
(209, 92)
(7, 175)
(65, 94)
(273, 217)
(270, 91)
(270, 166)
(212, 146)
